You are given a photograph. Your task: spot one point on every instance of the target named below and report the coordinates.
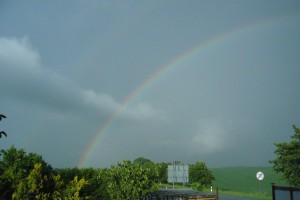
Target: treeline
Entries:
(27, 176)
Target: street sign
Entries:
(260, 176)
(178, 173)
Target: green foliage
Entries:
(68, 174)
(128, 181)
(197, 186)
(199, 173)
(288, 159)
(34, 184)
(162, 167)
(141, 161)
(163, 172)
(27, 176)
(24, 175)
(100, 190)
(96, 187)
(73, 188)
(15, 166)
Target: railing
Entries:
(286, 193)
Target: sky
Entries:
(91, 83)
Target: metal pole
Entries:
(273, 191)
(260, 185)
(291, 194)
(174, 168)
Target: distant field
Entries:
(243, 179)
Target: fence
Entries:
(286, 193)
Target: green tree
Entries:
(15, 166)
(141, 161)
(162, 167)
(200, 176)
(72, 191)
(128, 181)
(163, 172)
(99, 190)
(96, 187)
(68, 174)
(287, 161)
(197, 186)
(33, 185)
(25, 176)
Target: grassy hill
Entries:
(243, 179)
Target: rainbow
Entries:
(177, 61)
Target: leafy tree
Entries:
(162, 167)
(15, 166)
(128, 181)
(99, 190)
(58, 187)
(96, 187)
(33, 186)
(163, 172)
(199, 173)
(287, 161)
(197, 186)
(68, 174)
(141, 161)
(72, 191)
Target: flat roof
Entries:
(185, 193)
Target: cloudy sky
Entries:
(90, 83)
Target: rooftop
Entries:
(184, 194)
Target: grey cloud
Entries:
(24, 78)
(211, 137)
(18, 52)
(86, 72)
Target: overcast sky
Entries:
(90, 83)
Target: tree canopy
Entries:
(25, 176)
(200, 176)
(128, 181)
(287, 161)
(15, 166)
(141, 161)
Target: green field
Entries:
(243, 179)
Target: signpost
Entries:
(260, 176)
(178, 173)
